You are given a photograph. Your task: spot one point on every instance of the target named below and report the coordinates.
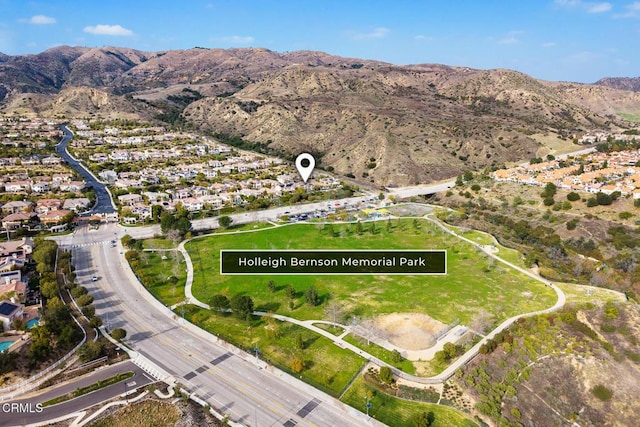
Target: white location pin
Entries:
(305, 164)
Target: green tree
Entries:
(44, 254)
(84, 300)
(423, 419)
(91, 350)
(290, 291)
(311, 296)
(219, 302)
(78, 291)
(49, 288)
(550, 190)
(156, 212)
(40, 344)
(272, 286)
(299, 342)
(89, 311)
(96, 322)
(126, 241)
(604, 199)
(225, 221)
(7, 362)
(242, 306)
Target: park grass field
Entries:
(155, 270)
(276, 342)
(399, 412)
(474, 281)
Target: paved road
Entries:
(10, 416)
(227, 379)
(104, 204)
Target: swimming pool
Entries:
(33, 322)
(5, 345)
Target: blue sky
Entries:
(571, 40)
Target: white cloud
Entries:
(421, 37)
(235, 40)
(568, 3)
(549, 44)
(580, 57)
(598, 7)
(377, 33)
(632, 11)
(107, 30)
(589, 7)
(40, 20)
(511, 37)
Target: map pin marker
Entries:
(305, 164)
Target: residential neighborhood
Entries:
(149, 166)
(606, 172)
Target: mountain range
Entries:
(376, 122)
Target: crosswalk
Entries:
(81, 245)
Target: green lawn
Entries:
(381, 353)
(398, 412)
(472, 281)
(155, 273)
(158, 244)
(276, 342)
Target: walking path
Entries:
(427, 354)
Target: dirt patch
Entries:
(408, 331)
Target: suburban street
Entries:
(226, 378)
(31, 416)
(103, 204)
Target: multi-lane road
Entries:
(228, 379)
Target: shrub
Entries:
(573, 196)
(602, 392)
(96, 322)
(625, 215)
(297, 365)
(118, 334)
(385, 375)
(604, 199)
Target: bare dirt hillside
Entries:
(374, 122)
